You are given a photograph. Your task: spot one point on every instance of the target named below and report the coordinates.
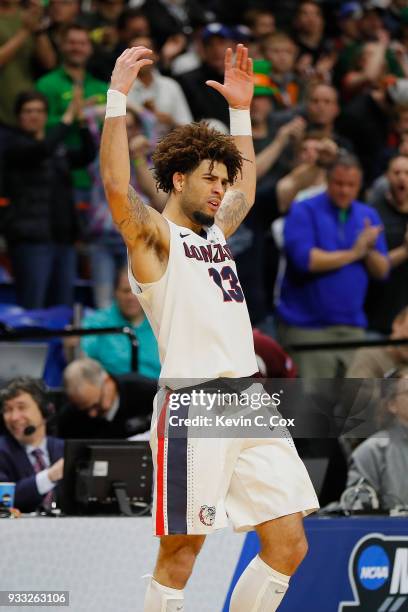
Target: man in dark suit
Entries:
(104, 406)
(28, 457)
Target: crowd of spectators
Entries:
(330, 77)
(322, 255)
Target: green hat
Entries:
(262, 81)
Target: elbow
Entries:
(108, 184)
(48, 61)
(50, 64)
(301, 261)
(113, 183)
(109, 181)
(379, 275)
(260, 171)
(113, 190)
(286, 191)
(309, 262)
(281, 199)
(284, 203)
(386, 268)
(382, 271)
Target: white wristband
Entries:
(240, 122)
(115, 104)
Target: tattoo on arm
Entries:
(233, 211)
(135, 216)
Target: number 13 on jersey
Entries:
(233, 291)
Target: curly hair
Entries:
(187, 146)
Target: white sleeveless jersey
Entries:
(197, 310)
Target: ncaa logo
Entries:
(373, 567)
(378, 573)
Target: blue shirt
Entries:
(113, 351)
(317, 300)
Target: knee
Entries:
(286, 555)
(178, 563)
(300, 549)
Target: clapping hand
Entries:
(76, 106)
(367, 238)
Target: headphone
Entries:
(38, 392)
(39, 395)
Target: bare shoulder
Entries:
(233, 210)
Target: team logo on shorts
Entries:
(207, 515)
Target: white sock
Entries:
(161, 598)
(259, 589)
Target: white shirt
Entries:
(197, 311)
(44, 484)
(167, 96)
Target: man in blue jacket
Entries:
(333, 244)
(28, 457)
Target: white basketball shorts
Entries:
(200, 483)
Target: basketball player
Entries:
(184, 275)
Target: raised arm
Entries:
(267, 158)
(238, 90)
(142, 228)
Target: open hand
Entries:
(238, 87)
(127, 68)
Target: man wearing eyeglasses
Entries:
(102, 405)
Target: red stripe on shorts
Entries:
(161, 426)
